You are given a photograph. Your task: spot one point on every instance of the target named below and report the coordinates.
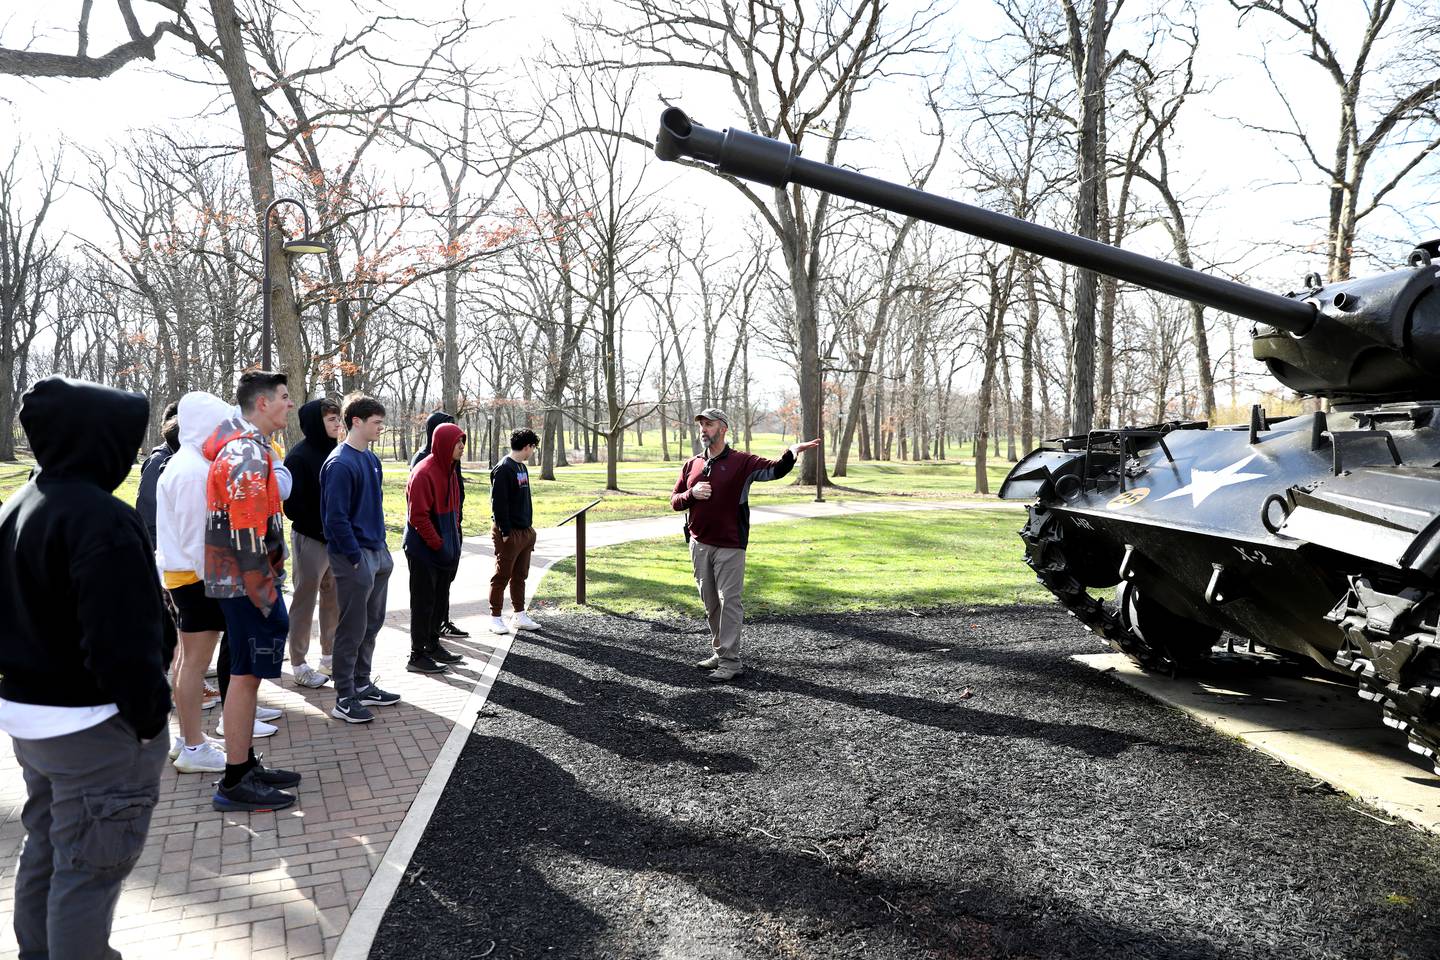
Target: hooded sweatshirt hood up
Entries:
(84, 431)
(304, 462)
(431, 424)
(85, 620)
(180, 498)
(432, 528)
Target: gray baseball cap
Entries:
(713, 413)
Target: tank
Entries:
(1313, 539)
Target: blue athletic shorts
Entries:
(257, 644)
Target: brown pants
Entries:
(512, 566)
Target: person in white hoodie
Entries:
(180, 555)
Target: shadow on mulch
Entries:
(852, 797)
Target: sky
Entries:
(1226, 170)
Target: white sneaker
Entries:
(498, 625)
(206, 758)
(260, 731)
(523, 621)
(327, 665)
(308, 676)
(266, 714)
(179, 744)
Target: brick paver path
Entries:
(282, 885)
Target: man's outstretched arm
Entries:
(762, 470)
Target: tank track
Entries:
(1392, 647)
(1044, 537)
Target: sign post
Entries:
(579, 517)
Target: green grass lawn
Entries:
(644, 488)
(880, 561)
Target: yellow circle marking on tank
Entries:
(1129, 498)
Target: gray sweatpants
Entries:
(361, 592)
(720, 576)
(310, 565)
(90, 798)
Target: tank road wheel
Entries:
(1185, 643)
(1392, 646)
(1044, 537)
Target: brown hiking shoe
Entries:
(725, 672)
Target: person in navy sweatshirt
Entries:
(432, 547)
(353, 514)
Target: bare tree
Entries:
(795, 76)
(25, 282)
(140, 45)
(1397, 116)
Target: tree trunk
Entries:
(284, 313)
(1092, 92)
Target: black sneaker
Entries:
(372, 696)
(448, 629)
(421, 663)
(271, 777)
(249, 795)
(440, 655)
(351, 710)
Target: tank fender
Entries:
(1035, 475)
(1387, 515)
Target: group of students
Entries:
(104, 608)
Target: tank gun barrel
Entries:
(748, 156)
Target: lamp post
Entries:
(825, 367)
(304, 245)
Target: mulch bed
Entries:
(948, 785)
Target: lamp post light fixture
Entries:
(305, 244)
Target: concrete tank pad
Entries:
(1314, 725)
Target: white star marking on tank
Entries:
(1205, 482)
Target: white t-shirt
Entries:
(34, 721)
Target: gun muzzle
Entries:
(737, 153)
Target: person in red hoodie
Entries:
(432, 546)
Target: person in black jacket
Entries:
(513, 532)
(448, 630)
(310, 561)
(83, 656)
(155, 465)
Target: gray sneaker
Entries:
(725, 672)
(709, 663)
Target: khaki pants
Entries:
(720, 577)
(311, 566)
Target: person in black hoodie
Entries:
(83, 657)
(448, 629)
(155, 465)
(321, 424)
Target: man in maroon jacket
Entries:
(714, 487)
